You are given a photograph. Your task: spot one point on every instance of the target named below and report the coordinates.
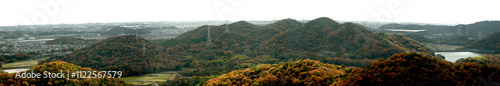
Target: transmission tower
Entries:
(467, 33)
(227, 28)
(136, 36)
(143, 47)
(480, 34)
(209, 40)
(60, 48)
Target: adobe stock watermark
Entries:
(393, 8)
(50, 8)
(488, 82)
(224, 6)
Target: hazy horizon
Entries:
(449, 12)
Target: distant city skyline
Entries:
(29, 12)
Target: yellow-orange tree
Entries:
(415, 69)
(302, 73)
(405, 69)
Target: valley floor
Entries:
(441, 47)
(154, 78)
(22, 64)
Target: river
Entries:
(454, 56)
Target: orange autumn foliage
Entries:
(302, 72)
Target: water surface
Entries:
(14, 70)
(454, 56)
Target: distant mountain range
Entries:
(475, 30)
(412, 26)
(124, 30)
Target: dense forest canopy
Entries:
(129, 53)
(399, 69)
(286, 40)
(298, 73)
(405, 68)
(343, 40)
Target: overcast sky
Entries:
(26, 12)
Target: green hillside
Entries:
(490, 43)
(247, 45)
(342, 40)
(131, 54)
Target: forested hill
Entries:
(284, 24)
(328, 37)
(242, 27)
(271, 30)
(246, 45)
(490, 43)
(199, 34)
(399, 69)
(131, 54)
(298, 73)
